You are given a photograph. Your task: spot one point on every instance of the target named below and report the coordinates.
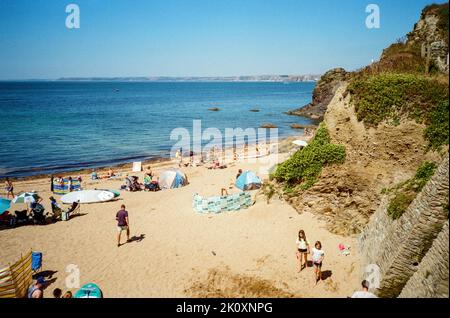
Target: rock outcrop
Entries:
(431, 35)
(346, 196)
(323, 93)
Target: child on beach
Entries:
(68, 294)
(57, 293)
(69, 184)
(9, 188)
(317, 256)
(302, 250)
(149, 171)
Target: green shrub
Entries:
(405, 192)
(304, 167)
(390, 96)
(399, 204)
(437, 131)
(423, 175)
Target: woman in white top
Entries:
(302, 250)
(317, 256)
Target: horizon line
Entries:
(159, 77)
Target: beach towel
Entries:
(220, 204)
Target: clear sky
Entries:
(195, 37)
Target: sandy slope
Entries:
(179, 253)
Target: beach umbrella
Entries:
(300, 143)
(26, 197)
(4, 205)
(90, 290)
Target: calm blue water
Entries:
(48, 127)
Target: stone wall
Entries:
(398, 247)
(431, 279)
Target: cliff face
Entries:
(346, 196)
(431, 34)
(428, 39)
(407, 250)
(323, 93)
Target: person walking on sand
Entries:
(123, 223)
(317, 256)
(69, 184)
(302, 250)
(365, 291)
(9, 188)
(179, 158)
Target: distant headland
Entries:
(256, 78)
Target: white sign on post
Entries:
(137, 166)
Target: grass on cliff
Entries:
(404, 193)
(391, 97)
(304, 167)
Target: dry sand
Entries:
(180, 253)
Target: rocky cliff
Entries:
(391, 125)
(431, 35)
(428, 38)
(323, 93)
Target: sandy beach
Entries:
(177, 252)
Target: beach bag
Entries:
(65, 216)
(36, 261)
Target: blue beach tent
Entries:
(172, 178)
(5, 204)
(248, 181)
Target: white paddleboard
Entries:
(87, 196)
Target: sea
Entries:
(52, 127)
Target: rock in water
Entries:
(269, 125)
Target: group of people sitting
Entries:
(57, 211)
(37, 290)
(110, 174)
(35, 214)
(151, 182)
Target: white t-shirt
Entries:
(317, 255)
(363, 294)
(302, 244)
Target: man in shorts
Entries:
(123, 223)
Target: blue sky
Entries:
(195, 37)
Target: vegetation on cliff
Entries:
(404, 193)
(304, 167)
(442, 12)
(392, 96)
